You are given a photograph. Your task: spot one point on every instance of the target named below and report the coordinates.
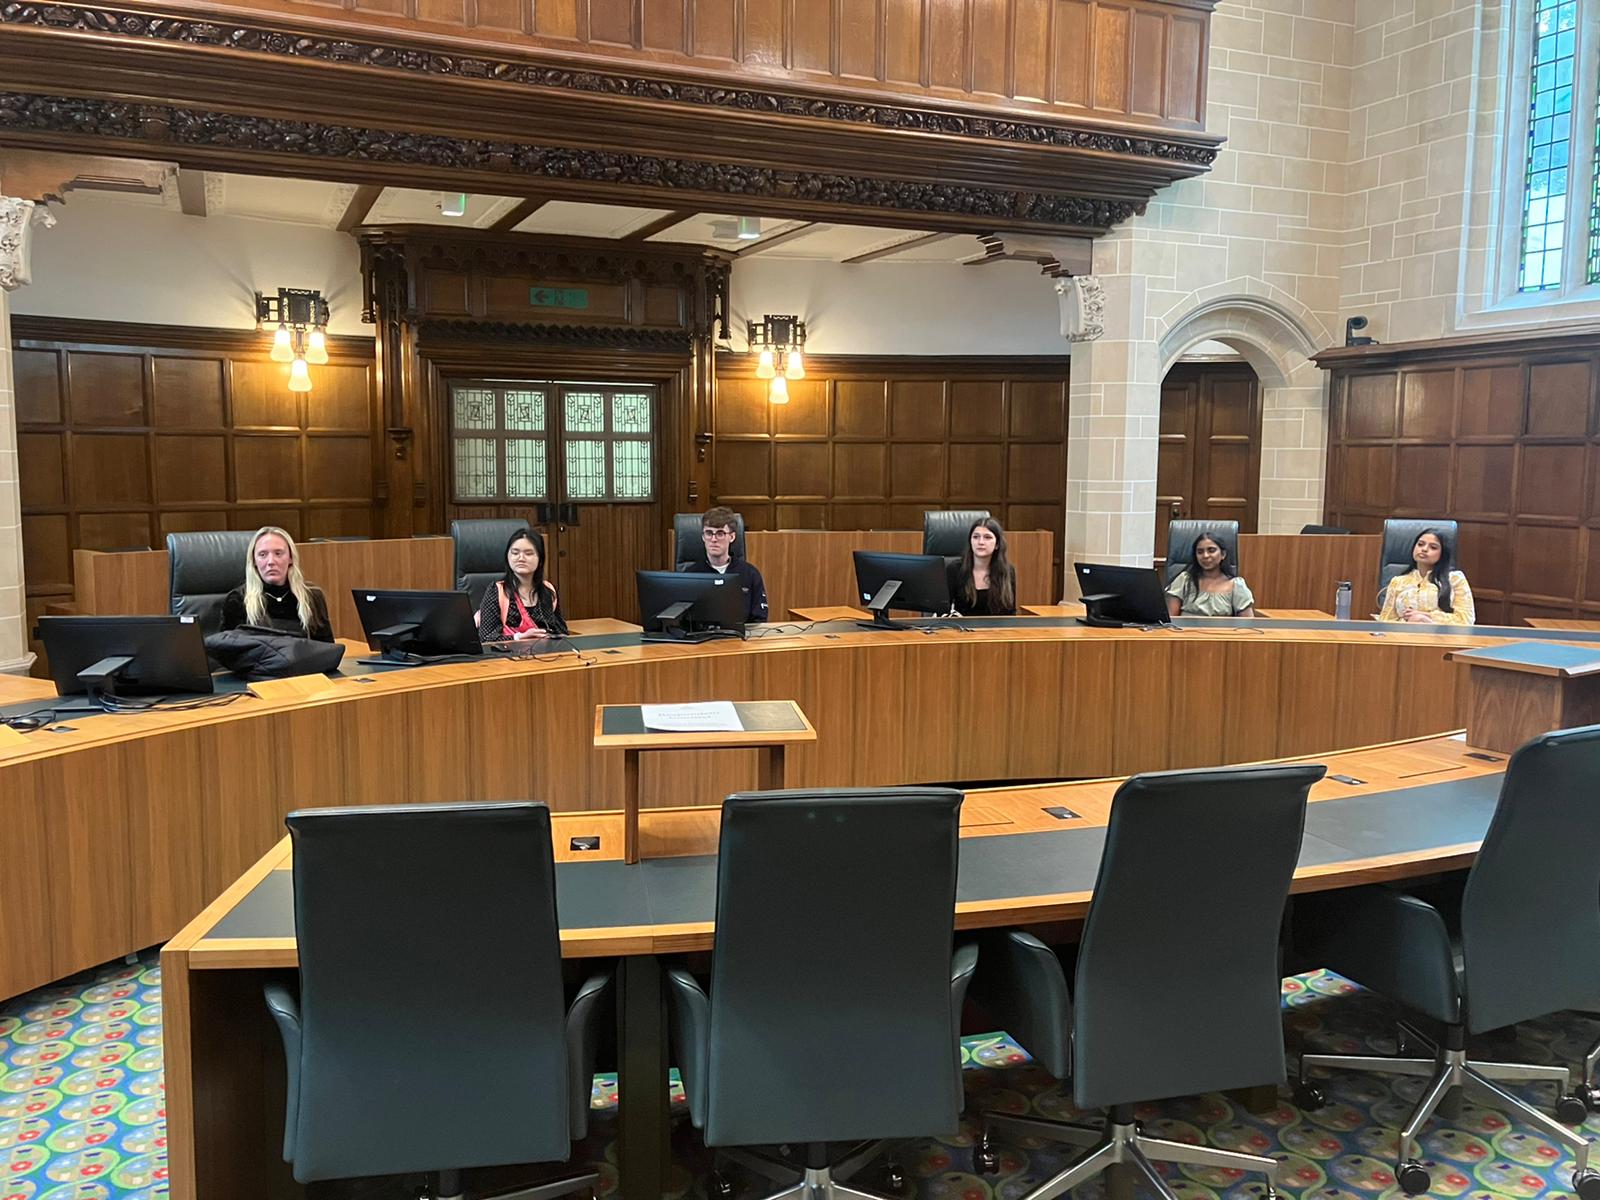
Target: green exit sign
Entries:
(544, 297)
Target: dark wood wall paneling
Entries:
(1503, 436)
(871, 443)
(1142, 60)
(126, 433)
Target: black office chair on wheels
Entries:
(430, 1033)
(1182, 535)
(480, 554)
(945, 532)
(835, 1002)
(202, 568)
(1123, 1034)
(1523, 942)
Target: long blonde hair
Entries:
(255, 599)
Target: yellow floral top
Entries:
(1412, 591)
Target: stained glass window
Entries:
(1593, 273)
(476, 476)
(585, 412)
(525, 410)
(630, 412)
(630, 470)
(474, 407)
(525, 469)
(586, 469)
(1549, 145)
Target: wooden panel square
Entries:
(663, 306)
(1369, 403)
(976, 470)
(1037, 472)
(187, 521)
(266, 467)
(947, 44)
(1368, 476)
(37, 380)
(902, 41)
(1030, 50)
(106, 389)
(859, 469)
(1544, 561)
(254, 518)
(500, 14)
(743, 407)
(340, 398)
(977, 408)
(1550, 483)
(191, 468)
(801, 469)
(811, 36)
(763, 32)
(42, 481)
(1591, 586)
(806, 413)
(1172, 469)
(1233, 406)
(188, 393)
(1149, 56)
(1072, 52)
(917, 409)
(1423, 478)
(114, 531)
(1111, 56)
(1185, 69)
(110, 468)
(552, 18)
(443, 293)
(46, 552)
(713, 28)
(1035, 516)
(1491, 402)
(1483, 479)
(261, 396)
(1038, 409)
(1594, 484)
(802, 516)
(743, 468)
(339, 522)
(916, 470)
(1558, 399)
(989, 46)
(1427, 404)
(859, 408)
(858, 516)
(906, 516)
(1232, 475)
(338, 468)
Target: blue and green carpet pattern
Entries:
(82, 1114)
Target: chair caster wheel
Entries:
(1587, 1184)
(1414, 1179)
(720, 1187)
(985, 1158)
(1571, 1110)
(1308, 1097)
(894, 1179)
(1590, 1096)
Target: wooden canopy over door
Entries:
(1209, 462)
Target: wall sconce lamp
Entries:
(778, 338)
(298, 318)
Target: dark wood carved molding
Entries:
(1580, 339)
(400, 56)
(161, 130)
(70, 332)
(733, 365)
(621, 337)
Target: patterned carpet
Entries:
(82, 1116)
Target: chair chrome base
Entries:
(818, 1183)
(1121, 1143)
(1447, 1070)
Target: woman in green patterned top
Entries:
(1209, 586)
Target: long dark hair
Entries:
(1440, 571)
(541, 601)
(1227, 566)
(1002, 590)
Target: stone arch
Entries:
(1277, 342)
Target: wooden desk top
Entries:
(1568, 624)
(1534, 658)
(1422, 807)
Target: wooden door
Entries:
(1208, 465)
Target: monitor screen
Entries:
(1129, 595)
(407, 626)
(923, 579)
(715, 603)
(126, 656)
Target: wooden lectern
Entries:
(1522, 689)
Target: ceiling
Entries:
(346, 206)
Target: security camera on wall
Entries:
(1351, 338)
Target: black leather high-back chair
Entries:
(385, 1077)
(202, 569)
(834, 1007)
(481, 554)
(1182, 535)
(1323, 529)
(1399, 536)
(1122, 1035)
(945, 532)
(1528, 945)
(689, 546)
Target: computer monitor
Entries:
(126, 656)
(916, 582)
(678, 606)
(413, 627)
(1118, 596)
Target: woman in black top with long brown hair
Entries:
(985, 583)
(522, 604)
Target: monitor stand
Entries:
(878, 606)
(99, 679)
(1094, 611)
(675, 628)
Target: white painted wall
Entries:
(903, 308)
(111, 260)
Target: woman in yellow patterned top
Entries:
(1432, 592)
